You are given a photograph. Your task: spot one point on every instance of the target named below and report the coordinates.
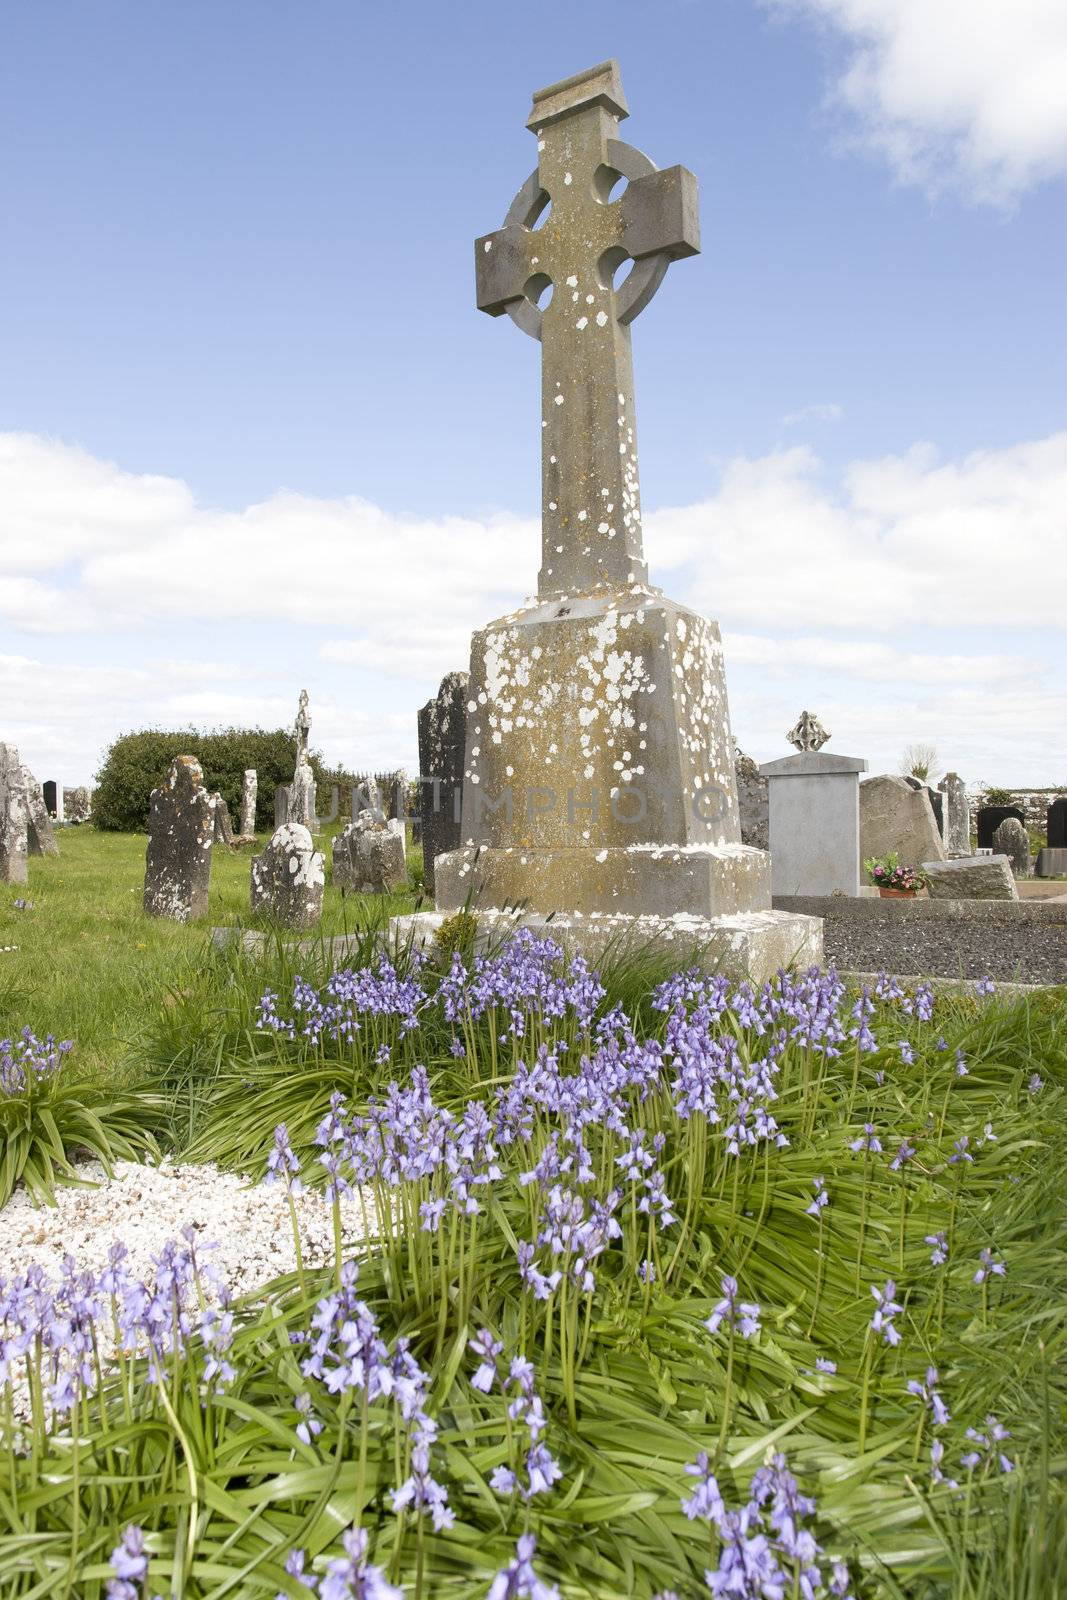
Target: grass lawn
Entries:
(87, 964)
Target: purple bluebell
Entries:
(350, 1577)
(927, 1392)
(518, 1580)
(740, 1316)
(989, 1267)
(886, 1309)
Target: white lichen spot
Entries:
(601, 318)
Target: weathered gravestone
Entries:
(223, 833)
(249, 789)
(1056, 824)
(957, 814)
(40, 837)
(288, 878)
(598, 773)
(181, 829)
(897, 818)
(369, 856)
(78, 803)
(1012, 840)
(971, 878)
(14, 818)
(53, 798)
(281, 804)
(753, 805)
(988, 820)
(935, 798)
(301, 802)
(442, 741)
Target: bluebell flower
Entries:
(350, 1577)
(518, 1580)
(886, 1309)
(740, 1316)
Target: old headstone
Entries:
(14, 818)
(281, 804)
(77, 804)
(301, 801)
(40, 837)
(1056, 824)
(1012, 840)
(442, 740)
(249, 787)
(181, 828)
(989, 818)
(53, 798)
(288, 878)
(753, 805)
(957, 813)
(896, 818)
(971, 878)
(935, 798)
(223, 833)
(369, 856)
(814, 816)
(598, 771)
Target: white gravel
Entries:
(144, 1206)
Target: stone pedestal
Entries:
(814, 800)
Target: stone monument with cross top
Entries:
(599, 783)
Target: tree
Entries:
(919, 761)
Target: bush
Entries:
(137, 762)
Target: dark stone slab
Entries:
(1056, 823)
(442, 739)
(988, 820)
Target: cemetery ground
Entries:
(667, 1286)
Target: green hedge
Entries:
(137, 762)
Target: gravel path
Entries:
(1021, 952)
(144, 1206)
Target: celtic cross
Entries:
(591, 509)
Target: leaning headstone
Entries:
(957, 813)
(971, 878)
(896, 818)
(369, 856)
(288, 878)
(752, 802)
(223, 833)
(442, 740)
(249, 788)
(14, 818)
(989, 818)
(40, 837)
(814, 817)
(281, 804)
(181, 828)
(1012, 840)
(77, 804)
(598, 772)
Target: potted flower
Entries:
(893, 881)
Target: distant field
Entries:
(87, 964)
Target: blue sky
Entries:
(254, 435)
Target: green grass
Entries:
(90, 966)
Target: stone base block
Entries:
(971, 878)
(754, 944)
(1051, 862)
(661, 880)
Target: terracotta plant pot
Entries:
(898, 894)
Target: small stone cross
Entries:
(591, 510)
(809, 733)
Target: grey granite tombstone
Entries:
(1012, 840)
(971, 878)
(288, 878)
(989, 818)
(181, 829)
(598, 772)
(369, 856)
(223, 833)
(814, 816)
(40, 837)
(897, 818)
(14, 818)
(78, 803)
(957, 814)
(442, 741)
(249, 788)
(752, 802)
(281, 804)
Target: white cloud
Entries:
(888, 590)
(830, 412)
(955, 93)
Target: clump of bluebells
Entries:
(604, 1185)
(27, 1061)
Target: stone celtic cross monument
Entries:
(598, 774)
